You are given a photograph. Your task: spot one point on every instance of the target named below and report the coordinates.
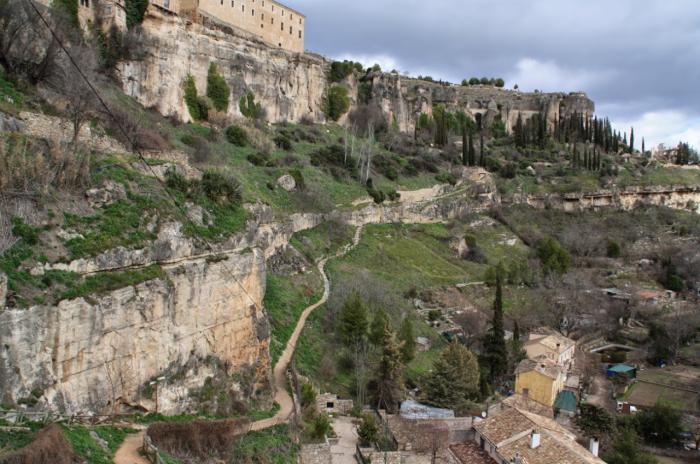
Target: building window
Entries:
(290, 30)
(243, 8)
(232, 4)
(300, 34)
(252, 12)
(272, 21)
(282, 27)
(262, 16)
(300, 21)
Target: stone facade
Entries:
(331, 404)
(271, 21)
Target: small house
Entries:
(555, 347)
(539, 379)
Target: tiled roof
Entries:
(551, 341)
(470, 453)
(540, 364)
(510, 432)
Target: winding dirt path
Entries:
(130, 450)
(282, 397)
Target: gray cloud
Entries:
(631, 56)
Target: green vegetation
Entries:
(324, 240)
(218, 90)
(237, 136)
(337, 102)
(69, 8)
(341, 69)
(273, 446)
(196, 105)
(108, 281)
(554, 258)
(16, 439)
(135, 11)
(453, 382)
(87, 448)
(249, 108)
(285, 299)
(10, 98)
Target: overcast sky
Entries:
(639, 60)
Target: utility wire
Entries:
(134, 148)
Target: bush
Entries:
(393, 195)
(259, 159)
(368, 430)
(554, 258)
(29, 234)
(219, 187)
(249, 108)
(446, 178)
(342, 69)
(176, 181)
(198, 438)
(377, 195)
(319, 428)
(237, 136)
(202, 151)
(298, 178)
(135, 11)
(218, 90)
(198, 108)
(613, 249)
(283, 142)
(337, 102)
(508, 171)
(492, 164)
(308, 395)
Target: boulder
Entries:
(3, 289)
(10, 124)
(287, 182)
(109, 193)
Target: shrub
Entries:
(198, 438)
(249, 108)
(492, 164)
(368, 430)
(337, 102)
(613, 249)
(393, 195)
(446, 178)
(237, 136)
(319, 428)
(135, 11)
(197, 106)
(218, 90)
(298, 178)
(377, 195)
(70, 9)
(508, 171)
(283, 142)
(554, 258)
(219, 187)
(176, 181)
(342, 69)
(259, 159)
(308, 395)
(29, 234)
(202, 151)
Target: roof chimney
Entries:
(517, 459)
(535, 439)
(594, 446)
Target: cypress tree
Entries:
(464, 146)
(407, 337)
(353, 321)
(632, 140)
(495, 349)
(472, 152)
(644, 149)
(481, 150)
(376, 331)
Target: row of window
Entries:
(252, 11)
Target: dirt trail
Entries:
(280, 372)
(130, 450)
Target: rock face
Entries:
(288, 85)
(287, 182)
(85, 356)
(291, 86)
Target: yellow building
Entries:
(273, 22)
(539, 379)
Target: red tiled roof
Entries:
(469, 453)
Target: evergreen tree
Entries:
(407, 337)
(218, 90)
(454, 379)
(644, 148)
(481, 149)
(519, 132)
(390, 386)
(465, 147)
(352, 322)
(495, 350)
(376, 331)
(627, 450)
(632, 140)
(472, 152)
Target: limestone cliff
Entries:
(85, 355)
(291, 86)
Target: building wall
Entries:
(563, 359)
(540, 387)
(273, 22)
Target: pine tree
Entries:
(376, 331)
(472, 152)
(494, 344)
(454, 379)
(353, 321)
(407, 337)
(390, 386)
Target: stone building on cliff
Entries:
(274, 23)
